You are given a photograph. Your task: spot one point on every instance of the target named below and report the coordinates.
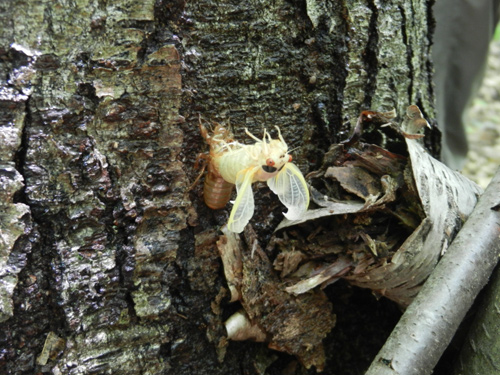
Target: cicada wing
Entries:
(291, 188)
(243, 207)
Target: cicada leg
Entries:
(205, 159)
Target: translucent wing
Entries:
(243, 207)
(291, 188)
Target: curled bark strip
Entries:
(429, 201)
(447, 199)
(336, 269)
(230, 253)
(429, 323)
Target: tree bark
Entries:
(104, 248)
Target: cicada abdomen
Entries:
(216, 190)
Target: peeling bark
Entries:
(296, 325)
(16, 228)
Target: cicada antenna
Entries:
(293, 149)
(264, 143)
(252, 136)
(280, 136)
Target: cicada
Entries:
(232, 163)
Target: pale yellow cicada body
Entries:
(239, 164)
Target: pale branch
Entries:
(426, 328)
(479, 353)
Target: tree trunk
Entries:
(480, 351)
(108, 264)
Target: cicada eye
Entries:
(269, 169)
(270, 162)
(289, 158)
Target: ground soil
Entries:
(482, 122)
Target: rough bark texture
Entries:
(104, 247)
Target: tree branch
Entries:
(429, 323)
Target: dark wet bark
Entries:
(104, 247)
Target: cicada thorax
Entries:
(216, 190)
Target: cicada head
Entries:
(274, 156)
(270, 154)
